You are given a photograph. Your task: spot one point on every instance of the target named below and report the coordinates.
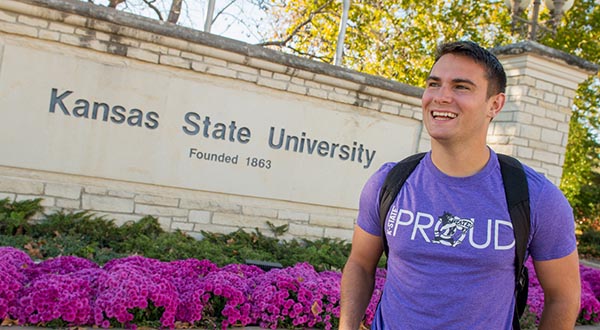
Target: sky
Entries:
(236, 19)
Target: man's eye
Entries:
(462, 87)
(433, 84)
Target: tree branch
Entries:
(222, 10)
(282, 43)
(153, 7)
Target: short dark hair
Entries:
(494, 70)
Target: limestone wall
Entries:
(105, 111)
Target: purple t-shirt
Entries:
(451, 246)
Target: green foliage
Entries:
(15, 216)
(580, 35)
(14, 240)
(589, 244)
(396, 40)
(96, 238)
(84, 225)
(528, 320)
(389, 38)
(149, 316)
(580, 183)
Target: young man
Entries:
(439, 279)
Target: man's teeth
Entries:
(444, 114)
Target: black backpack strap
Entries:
(391, 187)
(517, 198)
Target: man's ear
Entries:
(496, 104)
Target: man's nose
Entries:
(443, 95)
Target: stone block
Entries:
(143, 55)
(157, 211)
(20, 186)
(247, 77)
(71, 39)
(220, 71)
(272, 83)
(334, 221)
(95, 190)
(349, 99)
(298, 81)
(174, 52)
(45, 202)
(157, 200)
(197, 216)
(32, 21)
(317, 92)
(49, 35)
(530, 132)
(552, 136)
(524, 152)
(60, 27)
(563, 101)
(265, 73)
(242, 68)
(215, 62)
(546, 122)
(293, 215)
(70, 191)
(7, 16)
(524, 118)
(165, 223)
(332, 81)
(14, 28)
(239, 220)
(344, 234)
(306, 231)
(550, 97)
(73, 204)
(175, 61)
(282, 77)
(121, 193)
(214, 229)
(297, 89)
(544, 85)
(546, 157)
(266, 65)
(10, 197)
(200, 204)
(183, 226)
(107, 203)
(259, 211)
(199, 66)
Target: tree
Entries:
(580, 35)
(395, 39)
(389, 38)
(245, 15)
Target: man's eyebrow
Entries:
(455, 80)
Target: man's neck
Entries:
(459, 162)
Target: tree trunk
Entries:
(175, 11)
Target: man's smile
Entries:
(443, 115)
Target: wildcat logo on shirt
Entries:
(451, 230)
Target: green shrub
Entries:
(15, 216)
(83, 225)
(86, 235)
(589, 244)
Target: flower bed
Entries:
(132, 291)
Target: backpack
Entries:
(517, 198)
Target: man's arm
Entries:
(562, 291)
(358, 278)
